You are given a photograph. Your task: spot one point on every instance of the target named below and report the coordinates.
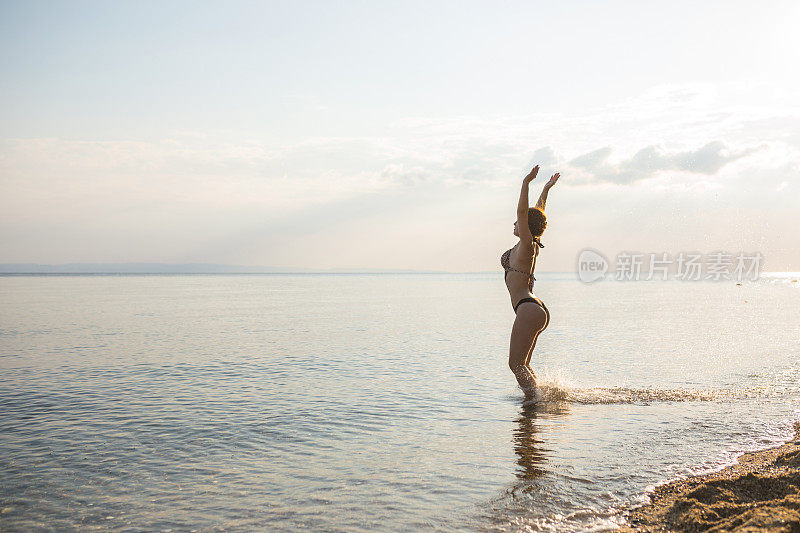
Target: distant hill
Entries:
(186, 268)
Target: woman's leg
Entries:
(529, 322)
(536, 336)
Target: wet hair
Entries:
(537, 221)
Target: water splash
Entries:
(629, 395)
(558, 389)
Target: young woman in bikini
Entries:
(519, 263)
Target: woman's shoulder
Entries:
(525, 249)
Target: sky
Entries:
(395, 135)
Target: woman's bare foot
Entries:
(527, 381)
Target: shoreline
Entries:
(761, 492)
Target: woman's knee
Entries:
(515, 364)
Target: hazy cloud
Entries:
(212, 196)
(544, 157)
(592, 160)
(707, 159)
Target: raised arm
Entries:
(547, 187)
(522, 208)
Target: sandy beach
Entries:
(760, 493)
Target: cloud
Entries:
(190, 192)
(592, 160)
(648, 161)
(543, 156)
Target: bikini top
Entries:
(505, 261)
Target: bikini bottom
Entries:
(537, 301)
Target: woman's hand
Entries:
(547, 186)
(532, 175)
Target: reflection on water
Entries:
(528, 445)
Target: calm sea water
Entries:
(375, 402)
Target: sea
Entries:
(376, 402)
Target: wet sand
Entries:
(760, 493)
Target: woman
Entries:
(519, 263)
